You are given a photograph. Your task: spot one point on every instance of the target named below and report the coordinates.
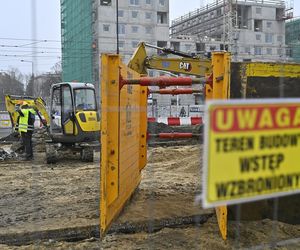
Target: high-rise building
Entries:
(251, 30)
(292, 38)
(77, 40)
(89, 28)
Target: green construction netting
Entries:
(292, 38)
(77, 52)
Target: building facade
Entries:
(292, 37)
(89, 28)
(253, 31)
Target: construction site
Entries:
(155, 147)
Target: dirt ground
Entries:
(37, 197)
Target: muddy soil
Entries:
(36, 197)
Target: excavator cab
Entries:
(74, 119)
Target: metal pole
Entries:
(32, 70)
(117, 23)
(32, 73)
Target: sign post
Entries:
(252, 150)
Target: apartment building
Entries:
(292, 37)
(256, 30)
(89, 28)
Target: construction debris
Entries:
(4, 155)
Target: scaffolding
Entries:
(77, 40)
(292, 38)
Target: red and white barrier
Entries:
(177, 121)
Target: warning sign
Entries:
(252, 150)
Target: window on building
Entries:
(188, 47)
(269, 51)
(148, 1)
(258, 37)
(151, 73)
(134, 44)
(258, 10)
(289, 52)
(161, 44)
(269, 24)
(198, 99)
(134, 14)
(219, 12)
(280, 13)
(121, 44)
(121, 13)
(279, 52)
(174, 101)
(149, 30)
(162, 2)
(258, 25)
(105, 2)
(134, 29)
(279, 39)
(121, 28)
(257, 50)
(148, 15)
(162, 17)
(134, 2)
(247, 50)
(200, 47)
(269, 38)
(105, 27)
(175, 45)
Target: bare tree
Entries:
(10, 84)
(43, 83)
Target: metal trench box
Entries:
(123, 137)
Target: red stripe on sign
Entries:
(174, 121)
(196, 120)
(151, 119)
(255, 117)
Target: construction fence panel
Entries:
(266, 80)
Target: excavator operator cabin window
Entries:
(67, 106)
(85, 99)
(56, 111)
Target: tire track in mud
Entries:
(82, 233)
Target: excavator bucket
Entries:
(123, 138)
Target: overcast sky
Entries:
(16, 23)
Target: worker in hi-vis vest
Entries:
(26, 127)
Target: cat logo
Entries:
(185, 66)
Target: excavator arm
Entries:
(37, 103)
(182, 63)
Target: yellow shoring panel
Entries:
(272, 69)
(221, 90)
(143, 128)
(122, 137)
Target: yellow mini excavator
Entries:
(72, 120)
